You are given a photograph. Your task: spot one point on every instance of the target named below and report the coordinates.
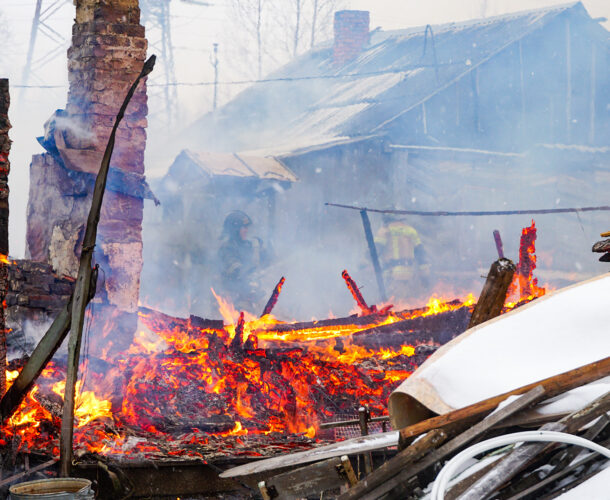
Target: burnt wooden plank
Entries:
(554, 386)
(388, 469)
(399, 473)
(314, 478)
(553, 477)
(515, 461)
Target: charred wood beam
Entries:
(355, 291)
(499, 246)
(376, 317)
(334, 322)
(514, 462)
(83, 280)
(439, 328)
(274, 296)
(493, 295)
(400, 469)
(434, 329)
(559, 461)
(556, 476)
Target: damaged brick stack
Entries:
(5, 146)
(107, 53)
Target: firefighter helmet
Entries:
(234, 222)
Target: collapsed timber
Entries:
(551, 463)
(192, 389)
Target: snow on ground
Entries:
(595, 488)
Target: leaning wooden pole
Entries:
(81, 291)
(494, 291)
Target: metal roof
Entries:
(397, 71)
(238, 165)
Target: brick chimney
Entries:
(107, 53)
(351, 34)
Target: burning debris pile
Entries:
(192, 388)
(190, 379)
(470, 398)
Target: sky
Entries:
(194, 31)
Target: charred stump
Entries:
(5, 146)
(494, 291)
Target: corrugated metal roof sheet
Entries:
(396, 71)
(238, 165)
(424, 61)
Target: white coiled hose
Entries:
(444, 476)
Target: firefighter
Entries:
(403, 258)
(240, 258)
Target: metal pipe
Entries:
(368, 233)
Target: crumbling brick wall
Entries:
(107, 53)
(34, 298)
(5, 146)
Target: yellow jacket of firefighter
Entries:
(396, 243)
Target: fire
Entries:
(238, 430)
(184, 388)
(87, 406)
(524, 286)
(4, 259)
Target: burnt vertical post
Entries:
(368, 233)
(364, 416)
(5, 146)
(499, 245)
(493, 295)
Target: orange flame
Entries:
(283, 379)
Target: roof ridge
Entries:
(413, 30)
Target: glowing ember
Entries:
(184, 388)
